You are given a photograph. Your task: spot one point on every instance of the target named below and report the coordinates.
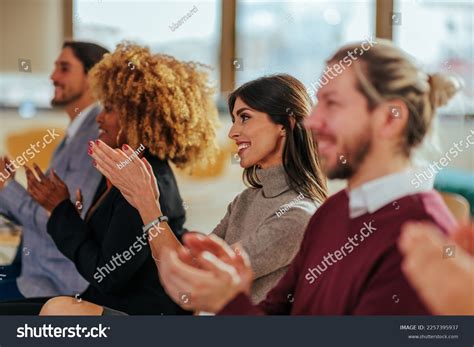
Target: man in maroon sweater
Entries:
(368, 118)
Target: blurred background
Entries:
(240, 40)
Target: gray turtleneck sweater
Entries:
(269, 223)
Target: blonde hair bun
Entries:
(442, 88)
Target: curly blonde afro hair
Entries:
(163, 103)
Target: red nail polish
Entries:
(97, 142)
(91, 143)
(89, 150)
(125, 147)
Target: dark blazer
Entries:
(111, 251)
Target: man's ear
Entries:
(392, 117)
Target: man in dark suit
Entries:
(45, 271)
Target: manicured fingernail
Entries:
(97, 142)
(89, 151)
(125, 147)
(91, 143)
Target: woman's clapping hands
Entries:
(205, 274)
(135, 179)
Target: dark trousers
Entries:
(25, 307)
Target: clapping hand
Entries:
(49, 192)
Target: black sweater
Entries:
(112, 253)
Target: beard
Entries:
(353, 161)
(66, 100)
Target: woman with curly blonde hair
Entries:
(164, 108)
(281, 169)
(163, 103)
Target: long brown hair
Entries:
(283, 97)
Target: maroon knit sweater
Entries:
(350, 266)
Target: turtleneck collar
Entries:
(273, 181)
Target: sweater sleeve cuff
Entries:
(239, 305)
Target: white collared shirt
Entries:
(76, 123)
(377, 193)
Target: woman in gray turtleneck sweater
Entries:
(282, 171)
(269, 223)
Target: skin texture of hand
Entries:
(445, 284)
(49, 192)
(197, 243)
(464, 237)
(199, 280)
(135, 180)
